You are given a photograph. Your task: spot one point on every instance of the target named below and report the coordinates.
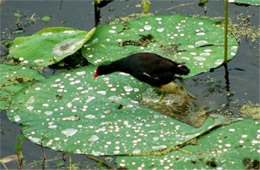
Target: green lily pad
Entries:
(13, 79)
(199, 42)
(249, 2)
(73, 112)
(48, 46)
(235, 146)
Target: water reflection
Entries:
(227, 86)
(97, 7)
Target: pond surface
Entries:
(226, 93)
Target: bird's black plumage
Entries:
(147, 67)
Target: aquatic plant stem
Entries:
(43, 155)
(225, 32)
(70, 160)
(146, 6)
(3, 164)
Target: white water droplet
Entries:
(159, 147)
(128, 88)
(234, 48)
(69, 32)
(37, 88)
(232, 130)
(115, 98)
(116, 152)
(112, 31)
(113, 89)
(147, 27)
(90, 98)
(186, 58)
(35, 140)
(141, 30)
(47, 33)
(97, 61)
(80, 88)
(38, 61)
(90, 116)
(69, 105)
(81, 73)
(219, 61)
(93, 138)
(30, 100)
(45, 105)
(69, 132)
(155, 138)
(30, 108)
(207, 50)
(244, 136)
(106, 78)
(48, 113)
(124, 74)
(204, 54)
(136, 90)
(136, 151)
(102, 92)
(52, 126)
(71, 118)
(201, 43)
(200, 33)
(160, 29)
(17, 118)
(96, 153)
(191, 46)
(228, 145)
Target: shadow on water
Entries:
(227, 86)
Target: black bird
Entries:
(150, 68)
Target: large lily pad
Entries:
(13, 79)
(235, 146)
(73, 112)
(199, 42)
(48, 46)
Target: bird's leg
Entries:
(183, 86)
(186, 93)
(162, 94)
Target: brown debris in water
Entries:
(175, 104)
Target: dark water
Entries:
(242, 82)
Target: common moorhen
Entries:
(150, 68)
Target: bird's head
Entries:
(182, 69)
(105, 68)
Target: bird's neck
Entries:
(110, 68)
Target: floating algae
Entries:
(176, 105)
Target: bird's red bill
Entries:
(96, 74)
